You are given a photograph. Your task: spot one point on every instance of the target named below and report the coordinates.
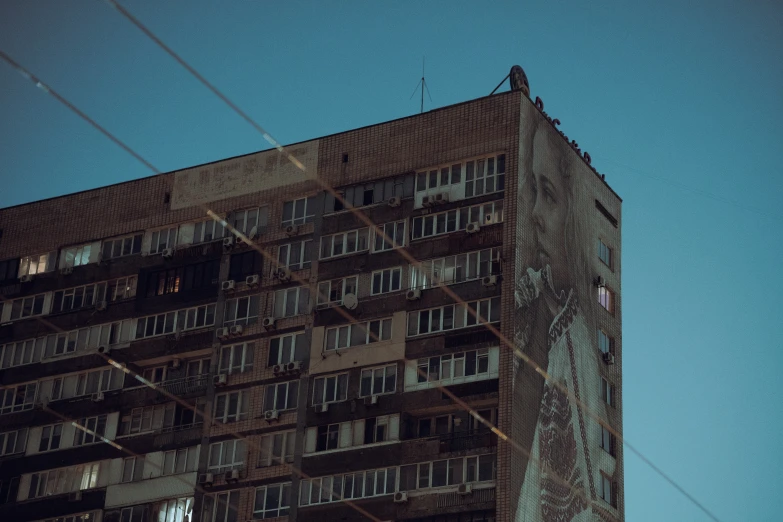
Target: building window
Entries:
(183, 279)
(64, 480)
(290, 302)
(241, 310)
(94, 381)
(180, 461)
(90, 430)
(9, 269)
(606, 299)
(282, 349)
(18, 398)
(207, 231)
(608, 441)
(385, 281)
(452, 368)
(438, 177)
(281, 396)
(250, 222)
(164, 282)
(455, 269)
(345, 243)
(13, 442)
(89, 295)
(608, 491)
(378, 381)
(50, 437)
(155, 375)
(337, 488)
(299, 211)
(395, 236)
(21, 352)
(327, 437)
(151, 418)
(440, 425)
(25, 307)
(607, 392)
(331, 293)
(163, 239)
(122, 246)
(92, 516)
(605, 342)
(221, 507)
(244, 264)
(227, 455)
(332, 388)
(358, 334)
(448, 472)
(188, 319)
(452, 317)
(277, 448)
(128, 467)
(37, 264)
(231, 407)
(172, 510)
(371, 193)
(378, 429)
(605, 253)
(122, 288)
(429, 225)
(485, 176)
(88, 338)
(295, 256)
(237, 358)
(272, 501)
(75, 256)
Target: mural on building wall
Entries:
(555, 325)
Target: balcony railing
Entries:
(186, 385)
(462, 441)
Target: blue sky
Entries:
(680, 105)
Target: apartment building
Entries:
(234, 342)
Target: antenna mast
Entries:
(423, 84)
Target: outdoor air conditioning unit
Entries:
(235, 330)
(490, 280)
(322, 408)
(222, 333)
(609, 358)
(371, 400)
(277, 369)
(599, 282)
(26, 278)
(227, 286)
(292, 230)
(252, 280)
(472, 228)
(101, 306)
(394, 202)
(427, 201)
(413, 295)
(293, 367)
(220, 379)
(98, 397)
(228, 242)
(232, 475)
(268, 323)
(283, 274)
(104, 349)
(168, 253)
(271, 415)
(401, 497)
(206, 479)
(68, 270)
(465, 489)
(75, 496)
(441, 198)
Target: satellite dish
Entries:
(518, 80)
(350, 301)
(253, 232)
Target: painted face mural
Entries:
(555, 325)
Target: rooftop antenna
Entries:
(423, 84)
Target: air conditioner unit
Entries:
(168, 253)
(599, 282)
(228, 242)
(394, 202)
(413, 295)
(609, 358)
(68, 270)
(175, 364)
(322, 408)
(292, 230)
(372, 399)
(222, 333)
(104, 349)
(472, 228)
(232, 475)
(227, 286)
(465, 489)
(441, 198)
(252, 280)
(26, 278)
(101, 306)
(283, 274)
(401, 497)
(206, 479)
(427, 201)
(268, 323)
(98, 397)
(76, 496)
(490, 280)
(220, 379)
(293, 367)
(235, 330)
(277, 369)
(271, 415)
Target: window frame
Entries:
(182, 317)
(211, 506)
(301, 301)
(606, 254)
(336, 388)
(454, 269)
(156, 245)
(246, 362)
(268, 458)
(95, 434)
(308, 212)
(608, 392)
(361, 234)
(237, 449)
(344, 284)
(460, 317)
(252, 310)
(242, 407)
(19, 444)
(79, 255)
(607, 299)
(48, 259)
(305, 255)
(20, 309)
(280, 349)
(372, 370)
(134, 247)
(290, 397)
(283, 495)
(384, 333)
(380, 273)
(28, 398)
(498, 179)
(460, 217)
(398, 231)
(53, 439)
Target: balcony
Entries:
(184, 388)
(465, 441)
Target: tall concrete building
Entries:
(154, 367)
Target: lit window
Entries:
(75, 256)
(37, 264)
(606, 299)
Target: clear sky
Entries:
(679, 103)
